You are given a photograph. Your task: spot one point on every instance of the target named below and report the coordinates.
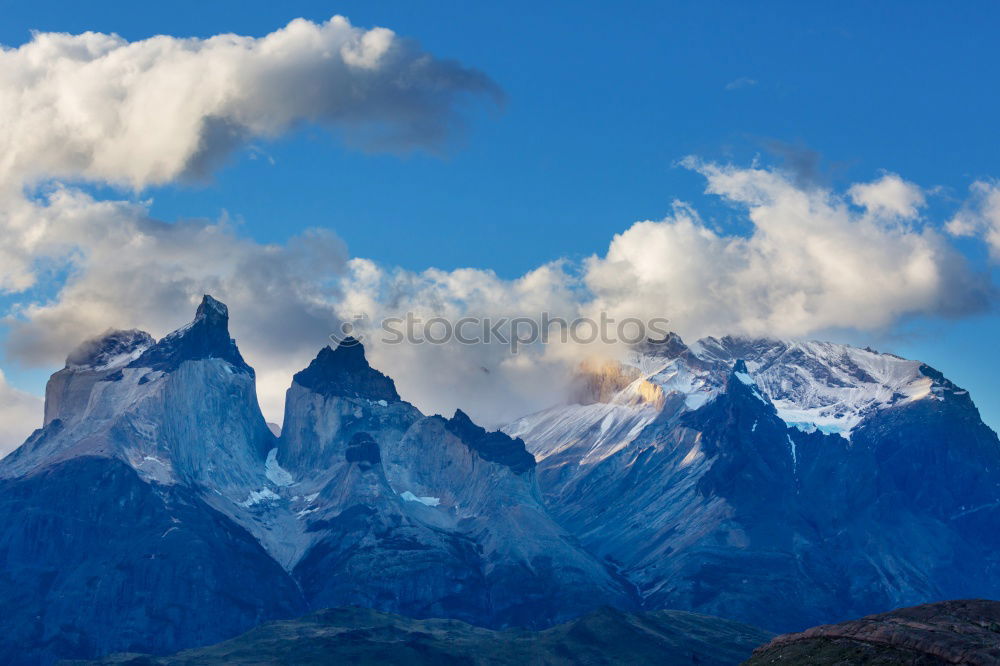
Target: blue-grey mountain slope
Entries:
(447, 514)
(783, 483)
(114, 530)
(156, 510)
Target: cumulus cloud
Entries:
(97, 107)
(889, 195)
(810, 262)
(20, 414)
(814, 259)
(980, 216)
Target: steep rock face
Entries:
(139, 482)
(806, 483)
(336, 397)
(423, 515)
(192, 419)
(492, 446)
(375, 552)
(96, 560)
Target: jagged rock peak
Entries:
(109, 350)
(740, 382)
(495, 446)
(345, 372)
(670, 346)
(204, 338)
(213, 311)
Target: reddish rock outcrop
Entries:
(949, 632)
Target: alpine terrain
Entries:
(156, 510)
(782, 484)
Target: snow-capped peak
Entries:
(813, 386)
(742, 375)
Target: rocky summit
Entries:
(156, 510)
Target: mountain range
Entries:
(779, 483)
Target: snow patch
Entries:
(427, 501)
(825, 428)
(260, 497)
(275, 473)
(151, 468)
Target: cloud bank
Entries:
(813, 259)
(810, 262)
(99, 108)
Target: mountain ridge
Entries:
(796, 482)
(447, 514)
(848, 481)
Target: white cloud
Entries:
(20, 414)
(809, 263)
(97, 107)
(980, 216)
(890, 195)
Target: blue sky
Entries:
(602, 101)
